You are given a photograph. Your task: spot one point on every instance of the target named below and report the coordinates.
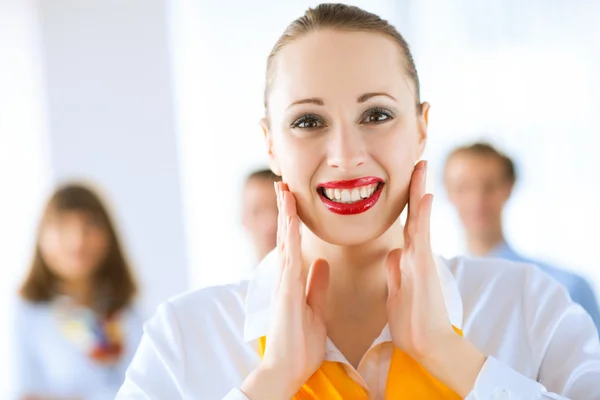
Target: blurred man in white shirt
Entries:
(479, 180)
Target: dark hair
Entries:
(487, 150)
(113, 284)
(263, 174)
(343, 18)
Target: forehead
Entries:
(464, 166)
(328, 63)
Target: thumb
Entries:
(316, 286)
(392, 265)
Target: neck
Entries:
(262, 251)
(482, 245)
(357, 273)
(78, 290)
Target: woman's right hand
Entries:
(295, 345)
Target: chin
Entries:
(352, 230)
(349, 231)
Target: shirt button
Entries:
(500, 394)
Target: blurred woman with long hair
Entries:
(76, 328)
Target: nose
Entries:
(74, 238)
(346, 149)
(477, 199)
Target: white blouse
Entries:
(48, 364)
(540, 345)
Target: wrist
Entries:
(266, 383)
(455, 362)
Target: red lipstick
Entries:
(357, 207)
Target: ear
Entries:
(273, 164)
(422, 124)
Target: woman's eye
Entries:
(376, 116)
(308, 122)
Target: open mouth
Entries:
(351, 196)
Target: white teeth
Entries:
(346, 196)
(364, 192)
(350, 195)
(371, 190)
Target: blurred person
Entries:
(76, 327)
(353, 303)
(259, 211)
(479, 180)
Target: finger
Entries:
(289, 203)
(279, 216)
(284, 219)
(316, 287)
(281, 236)
(292, 241)
(416, 192)
(423, 235)
(392, 265)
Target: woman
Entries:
(76, 329)
(351, 304)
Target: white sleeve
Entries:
(157, 369)
(564, 343)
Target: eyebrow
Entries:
(313, 100)
(367, 96)
(361, 99)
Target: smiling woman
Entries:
(352, 304)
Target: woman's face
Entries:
(73, 244)
(344, 132)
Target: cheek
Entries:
(397, 157)
(97, 244)
(498, 202)
(299, 159)
(50, 244)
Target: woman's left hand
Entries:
(417, 314)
